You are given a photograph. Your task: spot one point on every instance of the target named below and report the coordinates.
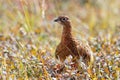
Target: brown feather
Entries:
(70, 46)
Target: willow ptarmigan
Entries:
(69, 46)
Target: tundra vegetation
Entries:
(28, 39)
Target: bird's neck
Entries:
(66, 34)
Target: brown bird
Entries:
(69, 46)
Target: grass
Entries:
(28, 38)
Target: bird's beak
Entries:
(56, 20)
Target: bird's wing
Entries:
(85, 50)
(83, 47)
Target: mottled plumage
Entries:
(70, 46)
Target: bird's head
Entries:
(63, 20)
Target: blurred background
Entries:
(92, 16)
(89, 18)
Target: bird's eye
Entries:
(63, 19)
